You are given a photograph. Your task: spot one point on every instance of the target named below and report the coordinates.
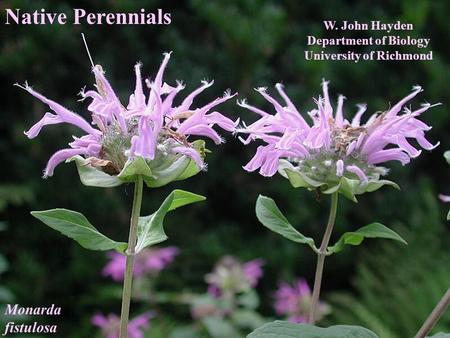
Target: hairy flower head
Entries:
(150, 127)
(328, 151)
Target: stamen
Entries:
(87, 50)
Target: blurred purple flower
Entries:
(148, 261)
(294, 301)
(110, 325)
(444, 198)
(253, 271)
(332, 146)
(229, 274)
(148, 126)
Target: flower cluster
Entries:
(150, 127)
(331, 151)
(147, 262)
(230, 275)
(294, 301)
(110, 325)
(229, 284)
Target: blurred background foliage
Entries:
(241, 44)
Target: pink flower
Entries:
(230, 274)
(110, 325)
(149, 126)
(148, 261)
(444, 198)
(253, 271)
(294, 301)
(329, 146)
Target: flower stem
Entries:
(130, 253)
(321, 259)
(435, 315)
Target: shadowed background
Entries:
(240, 44)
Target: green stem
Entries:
(321, 259)
(435, 315)
(130, 253)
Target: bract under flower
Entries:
(150, 136)
(329, 152)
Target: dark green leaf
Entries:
(150, 228)
(282, 329)
(373, 230)
(3, 264)
(447, 156)
(271, 217)
(74, 225)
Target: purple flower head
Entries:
(151, 126)
(110, 325)
(230, 275)
(444, 198)
(326, 150)
(294, 301)
(147, 262)
(253, 271)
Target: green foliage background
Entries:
(241, 44)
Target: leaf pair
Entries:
(271, 217)
(150, 228)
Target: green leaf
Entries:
(332, 189)
(150, 228)
(167, 172)
(349, 188)
(6, 296)
(3, 264)
(440, 335)
(185, 331)
(448, 216)
(249, 299)
(247, 319)
(373, 230)
(192, 168)
(134, 167)
(93, 177)
(447, 156)
(219, 328)
(174, 167)
(375, 185)
(282, 329)
(74, 225)
(300, 180)
(271, 217)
